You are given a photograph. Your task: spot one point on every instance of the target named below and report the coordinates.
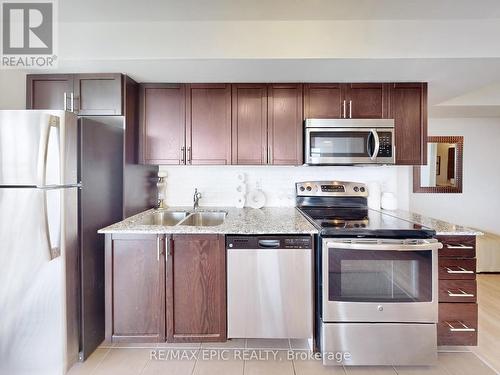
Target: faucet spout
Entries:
(196, 199)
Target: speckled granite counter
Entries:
(268, 220)
(441, 227)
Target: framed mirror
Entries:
(443, 172)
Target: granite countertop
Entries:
(268, 220)
(442, 228)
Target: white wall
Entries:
(218, 184)
(479, 205)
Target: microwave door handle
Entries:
(377, 144)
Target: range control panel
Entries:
(385, 150)
(331, 188)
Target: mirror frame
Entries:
(459, 141)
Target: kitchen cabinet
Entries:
(249, 124)
(135, 288)
(208, 119)
(163, 123)
(196, 288)
(98, 94)
(285, 124)
(458, 324)
(346, 100)
(408, 108)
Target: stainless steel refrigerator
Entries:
(61, 179)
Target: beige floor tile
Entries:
(86, 368)
(218, 367)
(106, 344)
(280, 366)
(424, 370)
(135, 345)
(315, 367)
(369, 370)
(268, 344)
(464, 364)
(229, 344)
(179, 345)
(167, 366)
(124, 361)
(300, 344)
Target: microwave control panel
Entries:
(385, 150)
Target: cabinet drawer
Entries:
(457, 291)
(457, 324)
(457, 269)
(458, 246)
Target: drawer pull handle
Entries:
(462, 327)
(459, 246)
(459, 271)
(460, 294)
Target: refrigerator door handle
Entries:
(54, 248)
(47, 126)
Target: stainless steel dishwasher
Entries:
(269, 287)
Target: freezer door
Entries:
(38, 148)
(38, 284)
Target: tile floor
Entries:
(126, 359)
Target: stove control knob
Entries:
(308, 188)
(302, 188)
(362, 189)
(380, 308)
(356, 189)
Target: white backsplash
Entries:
(218, 184)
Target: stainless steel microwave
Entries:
(349, 141)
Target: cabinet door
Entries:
(285, 124)
(135, 288)
(408, 108)
(163, 122)
(208, 132)
(323, 100)
(367, 100)
(196, 289)
(249, 123)
(47, 91)
(98, 94)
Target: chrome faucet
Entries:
(196, 199)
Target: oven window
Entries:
(339, 144)
(379, 276)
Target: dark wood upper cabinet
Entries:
(49, 91)
(408, 108)
(163, 123)
(196, 288)
(285, 124)
(135, 288)
(208, 118)
(249, 124)
(85, 94)
(366, 100)
(98, 94)
(323, 100)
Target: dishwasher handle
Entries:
(269, 244)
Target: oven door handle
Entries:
(374, 133)
(389, 247)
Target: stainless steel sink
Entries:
(205, 219)
(167, 218)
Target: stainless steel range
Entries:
(376, 280)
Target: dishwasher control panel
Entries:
(269, 242)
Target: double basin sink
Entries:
(199, 218)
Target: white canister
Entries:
(389, 201)
(374, 193)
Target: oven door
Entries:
(380, 280)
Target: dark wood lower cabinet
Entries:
(196, 288)
(135, 288)
(165, 287)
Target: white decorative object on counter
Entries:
(240, 201)
(389, 201)
(241, 190)
(256, 198)
(374, 195)
(241, 178)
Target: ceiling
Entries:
(190, 10)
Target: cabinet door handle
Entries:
(344, 111)
(350, 108)
(189, 153)
(460, 294)
(158, 248)
(459, 246)
(183, 155)
(65, 102)
(459, 271)
(269, 155)
(72, 102)
(462, 327)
